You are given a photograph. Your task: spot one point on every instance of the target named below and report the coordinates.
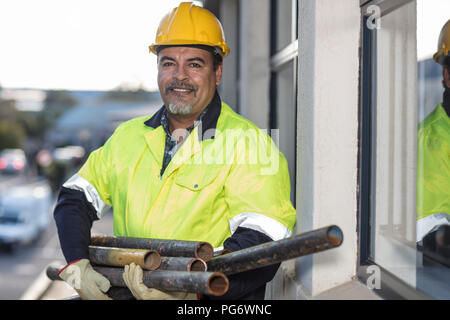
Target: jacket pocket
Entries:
(196, 178)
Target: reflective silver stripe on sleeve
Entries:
(426, 224)
(259, 222)
(78, 183)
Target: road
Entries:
(19, 269)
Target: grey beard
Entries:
(181, 109)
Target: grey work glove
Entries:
(133, 277)
(88, 283)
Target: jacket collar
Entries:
(209, 120)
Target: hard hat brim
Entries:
(441, 55)
(225, 50)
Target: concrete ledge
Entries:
(352, 290)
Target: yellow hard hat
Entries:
(191, 25)
(443, 44)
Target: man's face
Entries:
(186, 79)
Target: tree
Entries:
(12, 135)
(126, 93)
(57, 102)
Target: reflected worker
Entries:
(177, 174)
(433, 170)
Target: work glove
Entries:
(88, 283)
(133, 277)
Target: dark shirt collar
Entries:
(208, 119)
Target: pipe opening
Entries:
(218, 284)
(204, 251)
(152, 260)
(335, 236)
(197, 265)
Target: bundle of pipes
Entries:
(168, 248)
(147, 259)
(211, 283)
(169, 265)
(189, 266)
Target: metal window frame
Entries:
(392, 287)
(278, 60)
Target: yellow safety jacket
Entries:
(226, 174)
(433, 171)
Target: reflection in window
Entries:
(433, 159)
(410, 198)
(394, 141)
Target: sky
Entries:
(431, 17)
(101, 44)
(79, 44)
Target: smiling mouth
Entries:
(180, 88)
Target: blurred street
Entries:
(45, 136)
(20, 268)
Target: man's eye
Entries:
(167, 64)
(195, 65)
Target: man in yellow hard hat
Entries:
(195, 170)
(433, 175)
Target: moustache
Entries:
(181, 85)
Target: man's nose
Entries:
(180, 73)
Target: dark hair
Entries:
(215, 52)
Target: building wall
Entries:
(229, 89)
(246, 76)
(327, 137)
(254, 49)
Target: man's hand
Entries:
(133, 276)
(89, 284)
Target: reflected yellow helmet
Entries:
(191, 25)
(443, 44)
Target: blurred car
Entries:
(67, 154)
(12, 161)
(25, 212)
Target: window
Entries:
(400, 86)
(283, 82)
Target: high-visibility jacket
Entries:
(226, 174)
(433, 172)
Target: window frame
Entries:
(278, 60)
(391, 286)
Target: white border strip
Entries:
(259, 222)
(76, 182)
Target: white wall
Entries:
(327, 145)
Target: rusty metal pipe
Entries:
(170, 248)
(212, 283)
(117, 257)
(182, 264)
(276, 251)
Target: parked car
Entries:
(25, 212)
(12, 161)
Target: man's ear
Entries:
(219, 73)
(446, 74)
